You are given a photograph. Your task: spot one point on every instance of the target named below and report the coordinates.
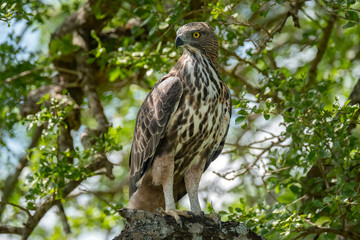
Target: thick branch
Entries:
(11, 230)
(145, 225)
(355, 94)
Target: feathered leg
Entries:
(192, 180)
(163, 174)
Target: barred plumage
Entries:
(181, 126)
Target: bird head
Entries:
(198, 37)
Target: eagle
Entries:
(181, 127)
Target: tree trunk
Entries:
(145, 225)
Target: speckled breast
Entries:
(201, 120)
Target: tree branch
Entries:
(145, 225)
(321, 50)
(63, 218)
(11, 230)
(80, 24)
(18, 206)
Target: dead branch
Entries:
(145, 225)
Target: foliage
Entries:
(293, 145)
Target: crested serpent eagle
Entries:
(181, 126)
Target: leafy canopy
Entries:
(293, 145)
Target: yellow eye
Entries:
(196, 34)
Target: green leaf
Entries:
(347, 103)
(352, 15)
(253, 110)
(317, 203)
(349, 25)
(295, 189)
(240, 119)
(43, 99)
(31, 206)
(114, 74)
(312, 155)
(163, 25)
(254, 7)
(243, 112)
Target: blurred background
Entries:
(74, 74)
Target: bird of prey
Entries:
(181, 126)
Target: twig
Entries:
(18, 206)
(273, 64)
(266, 188)
(278, 170)
(272, 33)
(28, 72)
(225, 175)
(332, 12)
(233, 54)
(297, 200)
(98, 195)
(249, 87)
(312, 19)
(63, 218)
(66, 70)
(22, 74)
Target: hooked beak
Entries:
(178, 41)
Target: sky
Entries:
(32, 37)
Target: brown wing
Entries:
(151, 125)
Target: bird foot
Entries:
(176, 214)
(215, 217)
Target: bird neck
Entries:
(211, 56)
